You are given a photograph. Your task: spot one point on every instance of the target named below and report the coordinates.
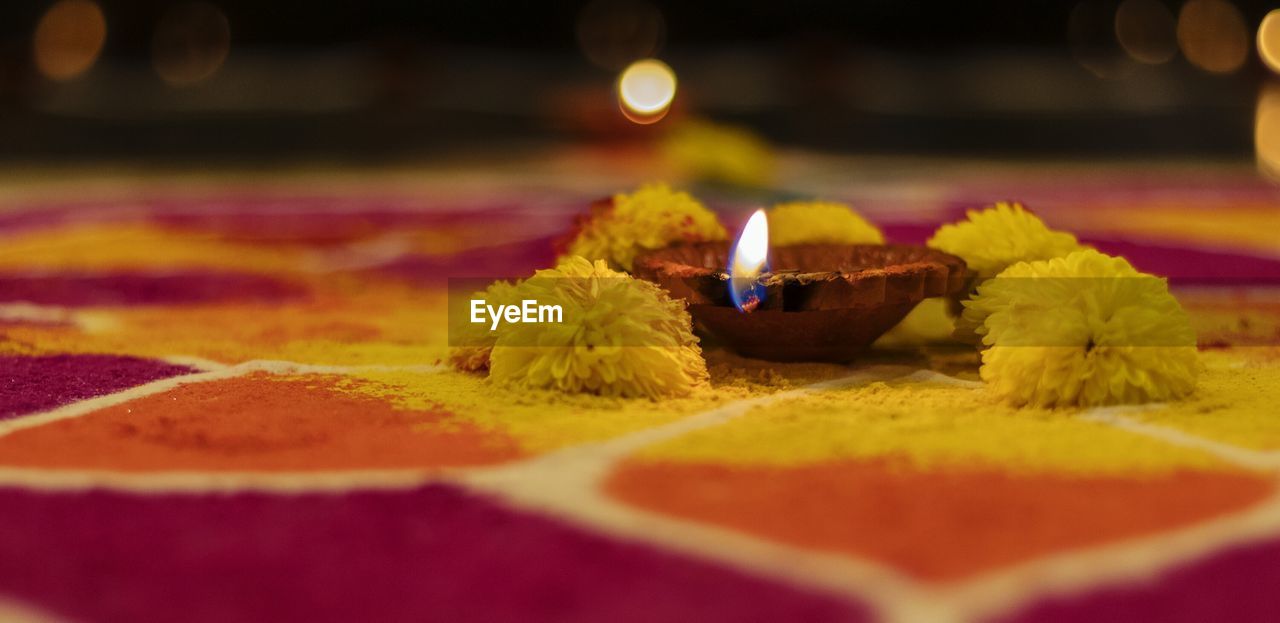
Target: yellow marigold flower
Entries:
(929, 323)
(717, 152)
(620, 336)
(475, 341)
(652, 217)
(819, 222)
(1086, 329)
(1000, 236)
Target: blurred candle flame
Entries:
(748, 260)
(646, 89)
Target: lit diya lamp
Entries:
(812, 302)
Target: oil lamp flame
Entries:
(748, 260)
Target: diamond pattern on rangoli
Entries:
(231, 408)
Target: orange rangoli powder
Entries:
(256, 423)
(937, 525)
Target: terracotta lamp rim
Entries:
(806, 314)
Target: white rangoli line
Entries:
(1133, 560)
(89, 405)
(1236, 455)
(567, 481)
(200, 364)
(210, 481)
(271, 366)
(932, 376)
(1075, 571)
(568, 485)
(216, 373)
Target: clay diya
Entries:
(819, 302)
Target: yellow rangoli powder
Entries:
(545, 420)
(926, 424)
(134, 246)
(1234, 401)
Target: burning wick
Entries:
(748, 259)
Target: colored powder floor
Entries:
(230, 405)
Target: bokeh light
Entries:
(69, 39)
(1266, 129)
(1091, 32)
(613, 33)
(646, 89)
(1145, 29)
(1213, 35)
(1269, 40)
(190, 43)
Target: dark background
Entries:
(381, 81)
